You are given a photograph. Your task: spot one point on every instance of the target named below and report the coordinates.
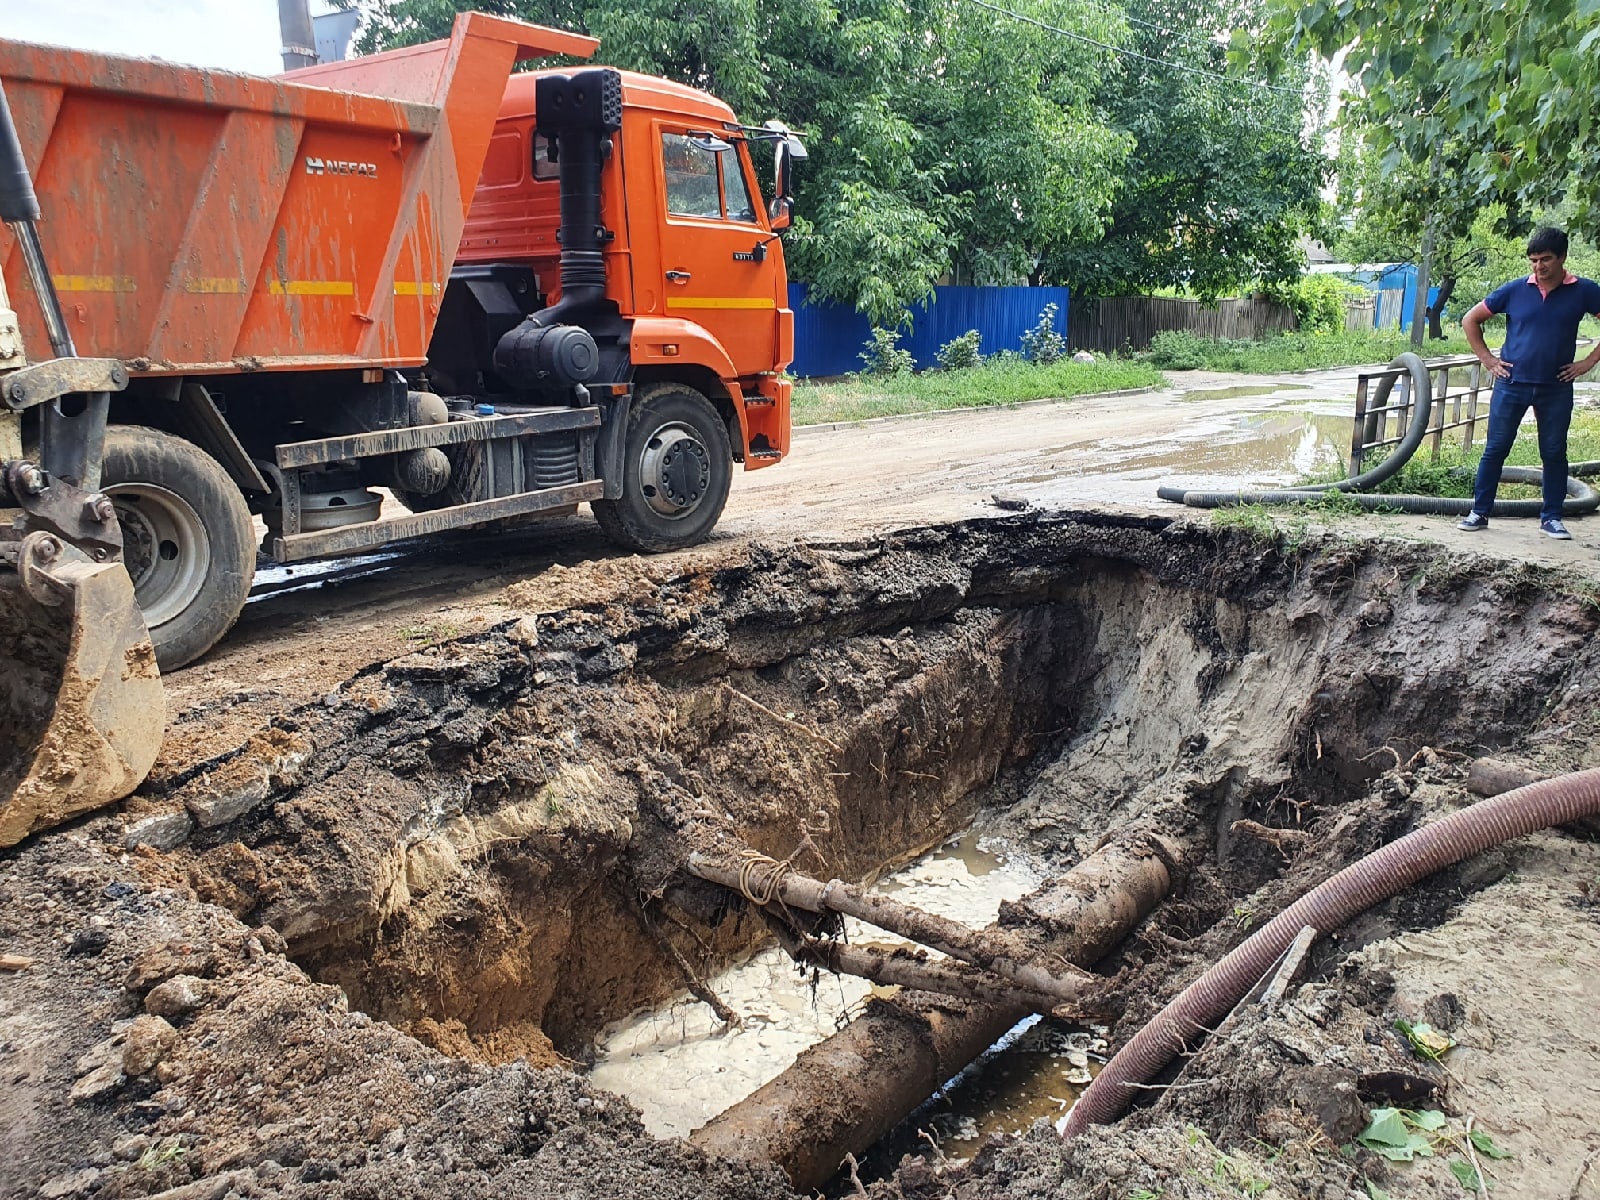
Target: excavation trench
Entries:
(485, 843)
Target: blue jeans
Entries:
(1552, 410)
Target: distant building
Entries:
(1315, 252)
(334, 33)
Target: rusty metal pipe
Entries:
(845, 1093)
(1352, 891)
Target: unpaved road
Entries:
(844, 481)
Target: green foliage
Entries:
(1403, 1135)
(1253, 520)
(1043, 344)
(1476, 248)
(884, 356)
(998, 380)
(1499, 101)
(1425, 1041)
(959, 353)
(1484, 1145)
(1178, 350)
(862, 223)
(1317, 301)
(1221, 182)
(1296, 351)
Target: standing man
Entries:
(1534, 369)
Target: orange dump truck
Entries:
(494, 298)
(494, 295)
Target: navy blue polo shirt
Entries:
(1542, 331)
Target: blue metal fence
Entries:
(829, 338)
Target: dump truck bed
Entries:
(211, 223)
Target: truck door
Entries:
(713, 246)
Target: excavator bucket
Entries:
(81, 708)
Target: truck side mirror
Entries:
(787, 150)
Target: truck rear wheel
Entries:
(187, 539)
(677, 466)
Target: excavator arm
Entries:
(81, 709)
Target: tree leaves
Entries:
(1390, 1134)
(940, 133)
(1511, 88)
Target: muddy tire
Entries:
(187, 538)
(677, 466)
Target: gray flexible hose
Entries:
(1580, 497)
(1375, 878)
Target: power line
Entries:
(1172, 33)
(1160, 62)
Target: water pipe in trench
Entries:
(1375, 878)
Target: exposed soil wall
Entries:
(459, 842)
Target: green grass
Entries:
(858, 398)
(1291, 351)
(1452, 474)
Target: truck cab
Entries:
(695, 291)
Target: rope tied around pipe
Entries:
(750, 861)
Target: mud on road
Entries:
(355, 934)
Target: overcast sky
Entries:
(239, 35)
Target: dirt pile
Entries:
(459, 844)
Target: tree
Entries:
(1390, 209)
(939, 130)
(1222, 181)
(1509, 92)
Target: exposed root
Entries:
(701, 990)
(761, 880)
(783, 720)
(904, 967)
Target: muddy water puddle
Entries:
(1238, 392)
(681, 1068)
(1271, 448)
(1035, 1071)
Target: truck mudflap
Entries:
(81, 709)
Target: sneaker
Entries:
(1554, 528)
(1473, 522)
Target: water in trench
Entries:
(681, 1068)
(1037, 1070)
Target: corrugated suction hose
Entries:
(1375, 878)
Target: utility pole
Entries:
(299, 41)
(1419, 307)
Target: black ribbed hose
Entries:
(1352, 891)
(1581, 498)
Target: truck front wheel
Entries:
(677, 466)
(187, 539)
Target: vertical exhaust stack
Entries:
(299, 37)
(577, 114)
